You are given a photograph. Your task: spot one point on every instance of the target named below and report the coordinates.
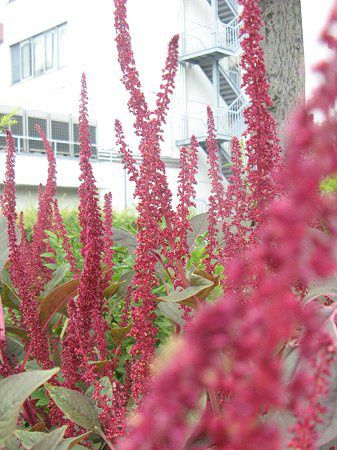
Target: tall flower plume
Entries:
(21, 279)
(262, 146)
(85, 313)
(44, 220)
(155, 198)
(216, 211)
(186, 192)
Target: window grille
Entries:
(60, 132)
(92, 131)
(36, 145)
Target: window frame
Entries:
(31, 41)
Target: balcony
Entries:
(26, 145)
(216, 40)
(229, 122)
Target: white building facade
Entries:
(46, 45)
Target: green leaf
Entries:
(15, 349)
(172, 311)
(119, 333)
(327, 429)
(204, 280)
(327, 287)
(4, 247)
(69, 443)
(124, 238)
(58, 276)
(13, 392)
(29, 438)
(56, 299)
(51, 440)
(20, 332)
(199, 225)
(187, 296)
(111, 290)
(41, 397)
(8, 295)
(41, 441)
(76, 407)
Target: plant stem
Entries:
(107, 440)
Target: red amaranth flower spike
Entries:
(108, 236)
(186, 193)
(137, 103)
(86, 313)
(216, 210)
(168, 77)
(155, 198)
(44, 218)
(262, 148)
(234, 228)
(128, 160)
(29, 306)
(62, 232)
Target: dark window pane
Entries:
(15, 59)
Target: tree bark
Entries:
(284, 53)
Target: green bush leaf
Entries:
(327, 287)
(199, 225)
(119, 333)
(29, 438)
(76, 407)
(4, 250)
(20, 332)
(51, 440)
(187, 296)
(172, 311)
(124, 238)
(15, 349)
(56, 299)
(13, 392)
(111, 290)
(58, 276)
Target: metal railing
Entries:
(233, 4)
(232, 71)
(229, 122)
(214, 35)
(32, 145)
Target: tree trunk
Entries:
(284, 52)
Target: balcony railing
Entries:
(215, 35)
(31, 145)
(229, 122)
(232, 71)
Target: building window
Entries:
(39, 54)
(61, 132)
